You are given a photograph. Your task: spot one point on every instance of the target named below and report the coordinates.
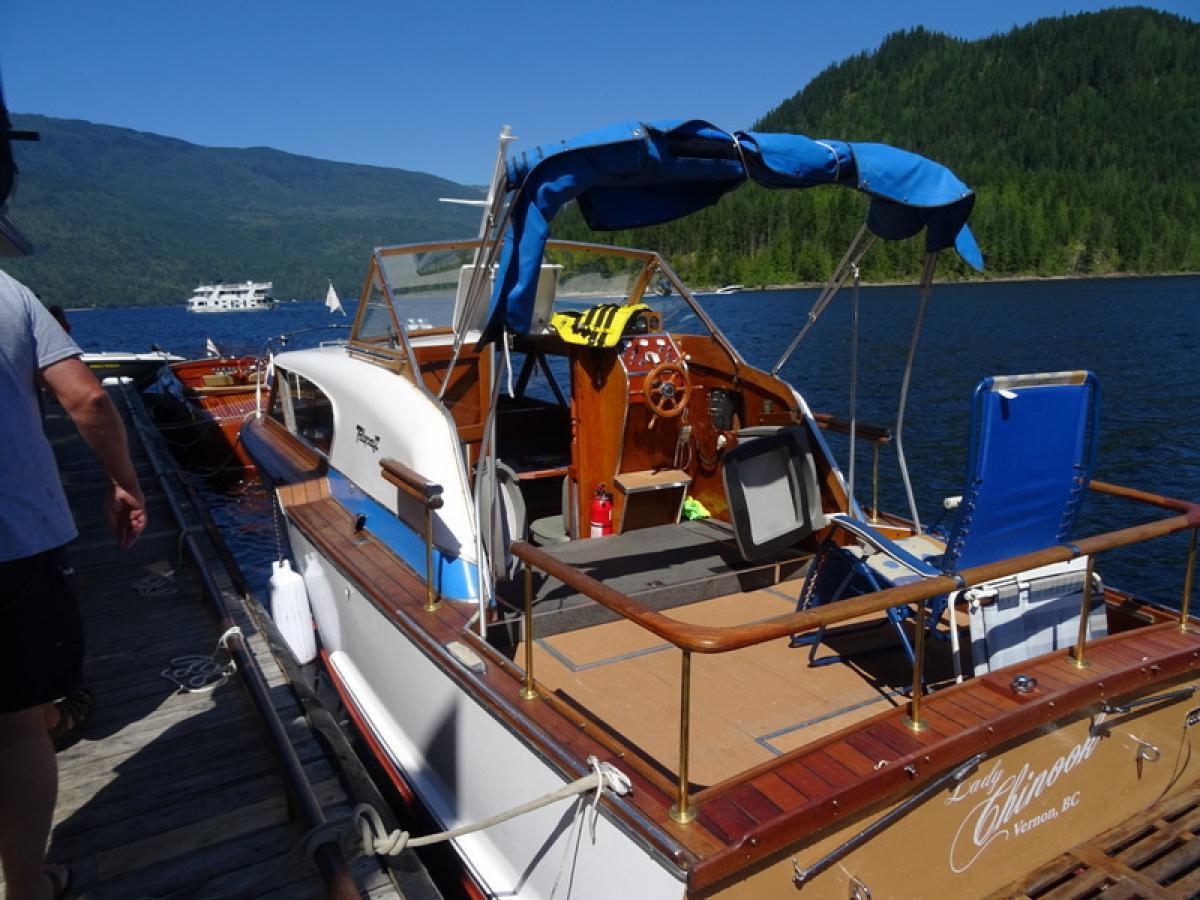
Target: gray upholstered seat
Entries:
(553, 529)
(771, 485)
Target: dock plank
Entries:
(165, 789)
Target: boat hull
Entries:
(1017, 807)
(464, 765)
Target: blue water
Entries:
(1140, 337)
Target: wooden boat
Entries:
(202, 404)
(484, 669)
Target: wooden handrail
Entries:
(1128, 493)
(427, 493)
(722, 639)
(876, 434)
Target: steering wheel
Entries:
(666, 389)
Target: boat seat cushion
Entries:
(771, 485)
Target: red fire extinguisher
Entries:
(602, 512)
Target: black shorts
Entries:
(41, 631)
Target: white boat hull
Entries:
(465, 766)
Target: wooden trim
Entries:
(427, 493)
(876, 434)
(712, 639)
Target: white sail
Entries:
(332, 303)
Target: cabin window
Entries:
(312, 412)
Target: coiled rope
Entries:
(197, 673)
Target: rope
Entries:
(162, 584)
(198, 674)
(374, 839)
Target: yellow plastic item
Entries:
(600, 326)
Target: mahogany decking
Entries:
(760, 803)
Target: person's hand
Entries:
(126, 515)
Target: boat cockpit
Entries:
(613, 414)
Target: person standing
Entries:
(40, 623)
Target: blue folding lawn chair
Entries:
(1032, 451)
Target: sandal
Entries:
(60, 880)
(73, 712)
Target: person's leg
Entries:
(28, 790)
(41, 658)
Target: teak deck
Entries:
(168, 790)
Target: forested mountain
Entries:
(124, 217)
(1080, 136)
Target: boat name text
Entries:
(1001, 798)
(370, 440)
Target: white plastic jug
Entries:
(289, 609)
(320, 595)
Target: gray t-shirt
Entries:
(34, 515)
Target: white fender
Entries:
(320, 595)
(290, 610)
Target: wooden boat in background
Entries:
(201, 405)
(484, 669)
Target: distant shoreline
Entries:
(1006, 279)
(798, 286)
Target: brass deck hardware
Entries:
(1186, 601)
(913, 720)
(528, 691)
(1077, 658)
(682, 812)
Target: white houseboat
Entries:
(239, 297)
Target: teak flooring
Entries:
(757, 704)
(165, 790)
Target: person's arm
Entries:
(93, 412)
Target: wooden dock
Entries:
(183, 794)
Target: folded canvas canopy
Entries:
(637, 174)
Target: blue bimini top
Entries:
(637, 174)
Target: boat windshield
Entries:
(589, 275)
(429, 284)
(425, 282)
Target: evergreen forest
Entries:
(1080, 136)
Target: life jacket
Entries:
(600, 326)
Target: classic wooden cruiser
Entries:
(805, 692)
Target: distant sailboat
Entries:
(332, 303)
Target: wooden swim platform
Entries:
(181, 794)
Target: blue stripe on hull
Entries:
(457, 579)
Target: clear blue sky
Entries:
(426, 85)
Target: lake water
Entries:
(1140, 336)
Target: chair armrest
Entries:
(877, 543)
